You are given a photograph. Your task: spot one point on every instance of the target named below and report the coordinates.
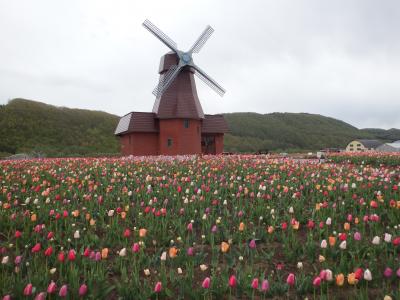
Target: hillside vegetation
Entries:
(28, 126)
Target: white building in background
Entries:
(390, 147)
(363, 145)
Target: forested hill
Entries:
(28, 126)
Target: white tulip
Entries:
(77, 235)
(376, 240)
(328, 221)
(5, 260)
(343, 245)
(164, 256)
(367, 275)
(324, 244)
(329, 275)
(388, 238)
(122, 252)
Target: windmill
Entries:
(177, 124)
(185, 59)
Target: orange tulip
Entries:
(351, 279)
(104, 253)
(142, 232)
(92, 222)
(75, 213)
(123, 215)
(340, 279)
(241, 226)
(270, 229)
(224, 247)
(173, 252)
(87, 216)
(332, 241)
(33, 217)
(346, 226)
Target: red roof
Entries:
(214, 124)
(137, 122)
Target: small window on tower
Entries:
(169, 142)
(186, 123)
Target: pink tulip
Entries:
(52, 287)
(254, 283)
(265, 285)
(190, 227)
(18, 259)
(388, 272)
(190, 251)
(398, 272)
(28, 289)
(7, 297)
(83, 290)
(135, 248)
(317, 281)
(252, 244)
(158, 287)
(214, 229)
(41, 296)
(357, 236)
(63, 291)
(322, 275)
(97, 257)
(206, 283)
(290, 280)
(232, 281)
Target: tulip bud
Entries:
(265, 285)
(63, 291)
(51, 289)
(317, 281)
(232, 281)
(254, 283)
(83, 290)
(290, 280)
(206, 283)
(158, 287)
(71, 255)
(252, 244)
(41, 296)
(28, 289)
(388, 272)
(367, 275)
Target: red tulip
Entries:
(71, 255)
(158, 287)
(127, 233)
(36, 248)
(61, 256)
(87, 252)
(50, 235)
(48, 251)
(254, 283)
(232, 281)
(18, 234)
(135, 247)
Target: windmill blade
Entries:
(202, 40)
(208, 80)
(160, 35)
(166, 79)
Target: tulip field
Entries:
(189, 227)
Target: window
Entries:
(186, 123)
(358, 145)
(169, 142)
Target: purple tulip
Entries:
(190, 251)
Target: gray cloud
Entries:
(336, 58)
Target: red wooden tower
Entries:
(177, 124)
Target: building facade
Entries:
(363, 145)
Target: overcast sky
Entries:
(335, 58)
